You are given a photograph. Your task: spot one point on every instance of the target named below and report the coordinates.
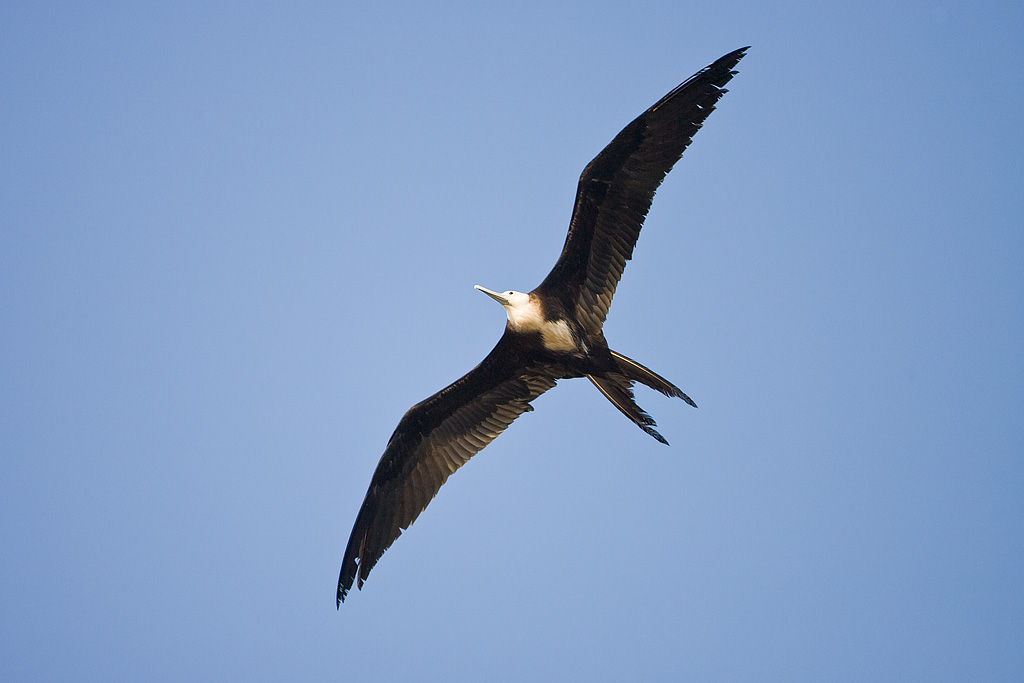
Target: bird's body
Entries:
(553, 332)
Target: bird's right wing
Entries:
(433, 439)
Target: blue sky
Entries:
(239, 241)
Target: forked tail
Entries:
(617, 387)
(638, 373)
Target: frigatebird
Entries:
(552, 333)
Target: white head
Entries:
(522, 310)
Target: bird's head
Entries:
(506, 299)
(519, 307)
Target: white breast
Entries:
(526, 316)
(556, 336)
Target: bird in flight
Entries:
(552, 333)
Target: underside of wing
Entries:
(616, 189)
(434, 439)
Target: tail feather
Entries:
(638, 373)
(618, 389)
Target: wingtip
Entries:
(344, 586)
(734, 57)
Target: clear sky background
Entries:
(238, 241)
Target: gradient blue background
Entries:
(238, 241)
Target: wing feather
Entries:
(617, 187)
(433, 439)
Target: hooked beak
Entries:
(494, 295)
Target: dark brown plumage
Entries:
(553, 333)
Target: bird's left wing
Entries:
(433, 439)
(616, 189)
